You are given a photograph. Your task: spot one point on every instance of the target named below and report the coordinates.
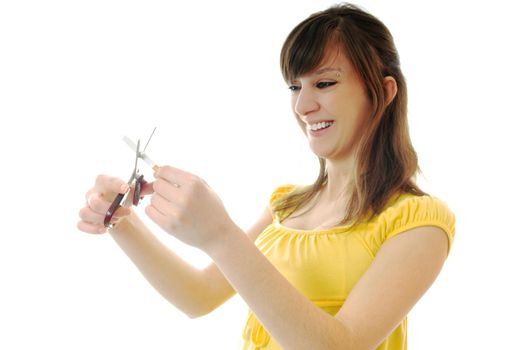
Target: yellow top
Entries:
(324, 265)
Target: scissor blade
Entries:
(142, 155)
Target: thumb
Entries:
(147, 188)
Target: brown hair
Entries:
(386, 160)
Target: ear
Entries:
(390, 89)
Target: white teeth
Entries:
(320, 125)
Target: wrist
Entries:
(225, 241)
(125, 224)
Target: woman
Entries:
(334, 265)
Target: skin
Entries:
(184, 206)
(335, 94)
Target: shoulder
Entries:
(409, 211)
(280, 191)
(277, 206)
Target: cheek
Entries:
(355, 108)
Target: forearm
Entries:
(291, 318)
(175, 279)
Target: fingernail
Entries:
(123, 188)
(102, 230)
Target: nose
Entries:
(305, 102)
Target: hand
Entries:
(186, 207)
(98, 201)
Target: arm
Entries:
(195, 292)
(291, 318)
(402, 271)
(176, 280)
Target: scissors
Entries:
(136, 179)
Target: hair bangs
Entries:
(305, 46)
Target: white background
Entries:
(76, 76)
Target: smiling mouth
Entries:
(320, 126)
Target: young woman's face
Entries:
(333, 94)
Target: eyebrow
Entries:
(327, 69)
(324, 70)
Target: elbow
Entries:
(193, 314)
(192, 308)
(197, 312)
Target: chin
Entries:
(321, 153)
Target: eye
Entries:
(325, 84)
(294, 88)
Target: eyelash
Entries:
(320, 85)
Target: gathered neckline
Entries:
(279, 225)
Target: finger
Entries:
(105, 184)
(167, 190)
(147, 189)
(98, 204)
(90, 228)
(88, 215)
(156, 216)
(173, 175)
(161, 204)
(88, 194)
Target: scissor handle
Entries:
(139, 183)
(115, 205)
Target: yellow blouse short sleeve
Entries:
(415, 211)
(279, 192)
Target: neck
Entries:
(340, 175)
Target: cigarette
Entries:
(142, 155)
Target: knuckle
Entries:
(80, 226)
(164, 171)
(100, 178)
(154, 198)
(98, 205)
(156, 185)
(148, 212)
(178, 216)
(88, 194)
(114, 182)
(185, 200)
(91, 201)
(193, 183)
(173, 225)
(175, 218)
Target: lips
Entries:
(320, 125)
(313, 122)
(320, 131)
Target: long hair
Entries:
(386, 160)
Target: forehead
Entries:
(333, 61)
